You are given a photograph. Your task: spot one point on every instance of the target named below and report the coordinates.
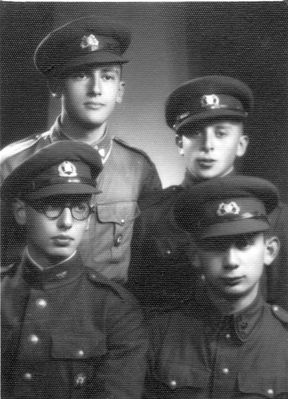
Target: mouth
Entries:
(93, 105)
(62, 240)
(231, 281)
(206, 162)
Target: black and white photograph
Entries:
(144, 199)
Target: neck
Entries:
(228, 306)
(77, 132)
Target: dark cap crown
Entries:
(64, 167)
(206, 98)
(226, 206)
(83, 41)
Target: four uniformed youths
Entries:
(198, 249)
(67, 331)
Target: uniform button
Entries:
(270, 392)
(228, 336)
(80, 353)
(27, 376)
(33, 339)
(80, 379)
(122, 222)
(173, 384)
(168, 251)
(275, 308)
(225, 370)
(118, 240)
(41, 303)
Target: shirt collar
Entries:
(189, 179)
(103, 145)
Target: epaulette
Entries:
(130, 147)
(21, 145)
(280, 313)
(99, 280)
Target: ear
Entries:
(55, 87)
(272, 249)
(242, 145)
(121, 91)
(179, 143)
(19, 211)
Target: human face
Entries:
(52, 240)
(90, 94)
(233, 265)
(210, 148)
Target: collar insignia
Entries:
(228, 209)
(89, 42)
(210, 101)
(67, 169)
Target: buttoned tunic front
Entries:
(127, 176)
(67, 332)
(198, 353)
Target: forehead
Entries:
(96, 67)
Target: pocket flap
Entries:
(266, 384)
(119, 212)
(68, 346)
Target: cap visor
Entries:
(97, 57)
(212, 114)
(235, 228)
(70, 189)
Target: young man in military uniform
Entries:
(82, 62)
(227, 342)
(208, 115)
(67, 331)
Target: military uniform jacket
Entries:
(198, 353)
(127, 176)
(68, 332)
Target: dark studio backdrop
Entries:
(172, 42)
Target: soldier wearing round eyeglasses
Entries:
(67, 331)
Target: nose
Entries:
(207, 143)
(231, 258)
(95, 83)
(65, 220)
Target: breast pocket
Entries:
(266, 384)
(83, 355)
(183, 380)
(116, 225)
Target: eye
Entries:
(79, 75)
(220, 132)
(109, 76)
(244, 241)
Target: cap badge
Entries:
(89, 42)
(67, 169)
(210, 101)
(228, 209)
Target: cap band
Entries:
(39, 184)
(232, 218)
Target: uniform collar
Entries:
(103, 146)
(60, 273)
(189, 180)
(240, 324)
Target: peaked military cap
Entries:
(226, 206)
(82, 41)
(208, 97)
(64, 167)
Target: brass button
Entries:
(270, 392)
(228, 336)
(225, 370)
(41, 303)
(173, 384)
(34, 339)
(80, 353)
(27, 376)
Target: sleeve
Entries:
(277, 272)
(124, 368)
